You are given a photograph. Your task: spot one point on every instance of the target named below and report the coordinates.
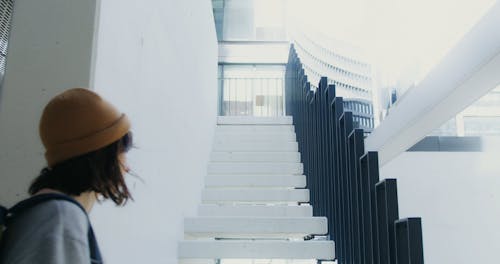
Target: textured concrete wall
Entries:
(50, 49)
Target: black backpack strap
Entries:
(95, 254)
(3, 215)
(3, 219)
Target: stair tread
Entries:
(263, 249)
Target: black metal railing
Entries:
(343, 178)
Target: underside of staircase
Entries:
(255, 205)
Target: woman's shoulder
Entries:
(62, 213)
(54, 217)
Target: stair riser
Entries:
(254, 195)
(255, 157)
(259, 211)
(254, 138)
(255, 129)
(233, 120)
(255, 181)
(257, 168)
(272, 147)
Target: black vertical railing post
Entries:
(310, 132)
(347, 187)
(314, 146)
(373, 176)
(344, 180)
(409, 246)
(304, 94)
(323, 90)
(328, 95)
(314, 159)
(317, 160)
(368, 178)
(356, 150)
(320, 153)
(345, 128)
(337, 111)
(307, 107)
(387, 213)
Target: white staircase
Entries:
(254, 205)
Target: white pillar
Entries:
(50, 49)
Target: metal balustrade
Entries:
(251, 96)
(343, 178)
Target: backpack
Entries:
(7, 215)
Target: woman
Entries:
(86, 139)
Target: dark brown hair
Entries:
(99, 171)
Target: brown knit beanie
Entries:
(79, 121)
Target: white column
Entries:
(50, 49)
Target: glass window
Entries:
(480, 118)
(482, 126)
(250, 20)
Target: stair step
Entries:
(255, 156)
(255, 168)
(256, 249)
(252, 137)
(256, 146)
(246, 195)
(198, 261)
(254, 227)
(221, 133)
(255, 181)
(256, 210)
(252, 261)
(264, 129)
(251, 120)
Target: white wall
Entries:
(50, 49)
(158, 62)
(457, 194)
